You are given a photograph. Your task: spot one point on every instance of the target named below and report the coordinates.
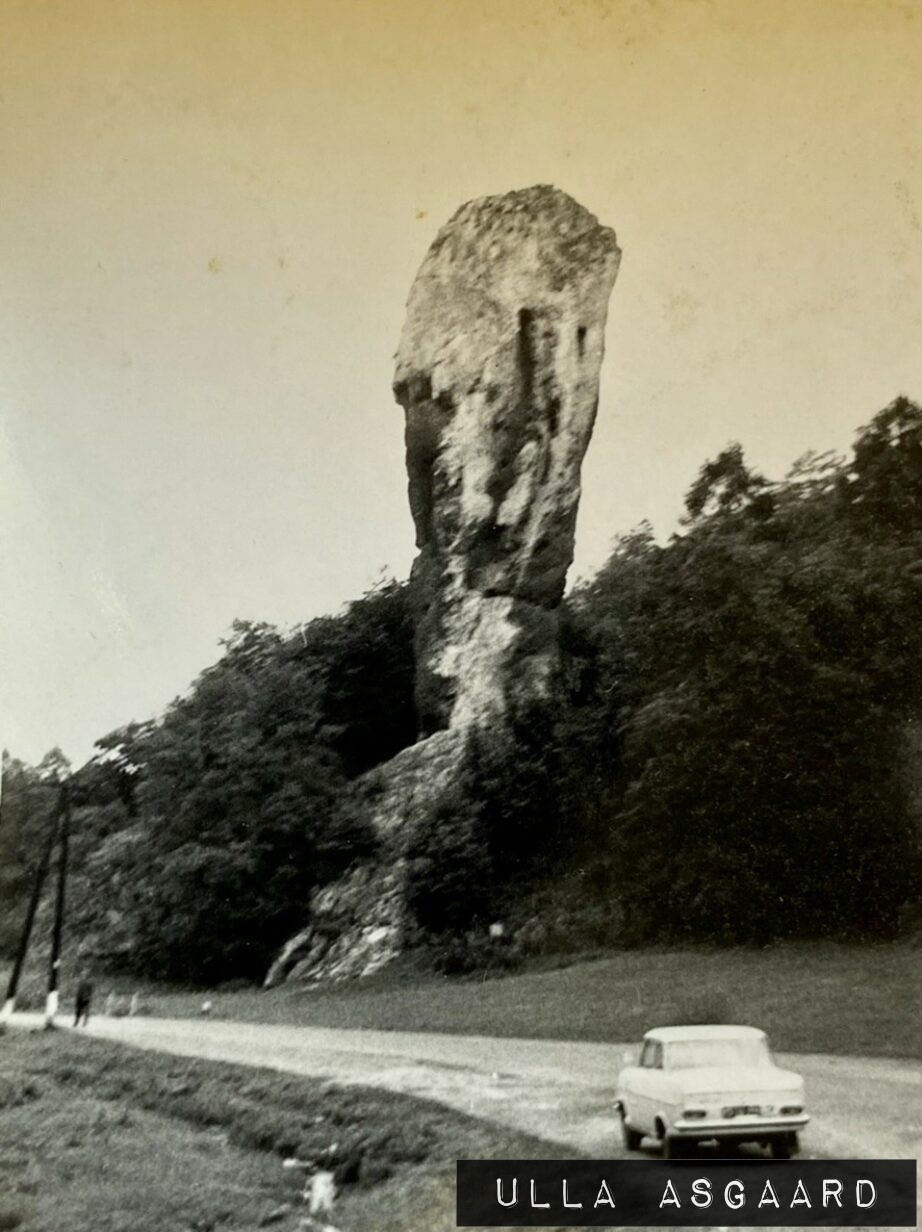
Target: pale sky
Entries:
(212, 211)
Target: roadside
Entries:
(820, 997)
(560, 1091)
(95, 1137)
(98, 1137)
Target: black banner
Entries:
(601, 1193)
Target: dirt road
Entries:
(861, 1108)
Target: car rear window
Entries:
(685, 1054)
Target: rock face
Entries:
(361, 922)
(498, 374)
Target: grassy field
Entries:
(827, 998)
(99, 1138)
(850, 1000)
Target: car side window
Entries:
(651, 1056)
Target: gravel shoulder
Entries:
(561, 1091)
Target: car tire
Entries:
(672, 1147)
(630, 1137)
(783, 1146)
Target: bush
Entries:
(449, 878)
(465, 954)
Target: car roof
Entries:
(667, 1035)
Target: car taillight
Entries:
(694, 1114)
(791, 1109)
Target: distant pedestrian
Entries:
(83, 1001)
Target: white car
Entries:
(692, 1084)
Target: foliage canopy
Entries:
(734, 757)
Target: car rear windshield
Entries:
(685, 1054)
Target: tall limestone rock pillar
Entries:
(498, 374)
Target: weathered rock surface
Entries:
(498, 374)
(357, 926)
(361, 922)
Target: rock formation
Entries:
(498, 374)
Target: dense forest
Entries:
(736, 757)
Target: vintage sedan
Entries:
(693, 1084)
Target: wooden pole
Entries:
(54, 966)
(4, 762)
(41, 873)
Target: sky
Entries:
(211, 215)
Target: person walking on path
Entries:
(84, 998)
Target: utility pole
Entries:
(41, 873)
(4, 760)
(54, 966)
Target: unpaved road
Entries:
(561, 1091)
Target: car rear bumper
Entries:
(739, 1127)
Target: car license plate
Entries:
(743, 1110)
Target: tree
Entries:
(210, 827)
(54, 767)
(29, 795)
(883, 482)
(764, 663)
(725, 486)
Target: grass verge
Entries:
(95, 1137)
(821, 998)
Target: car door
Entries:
(655, 1085)
(643, 1100)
